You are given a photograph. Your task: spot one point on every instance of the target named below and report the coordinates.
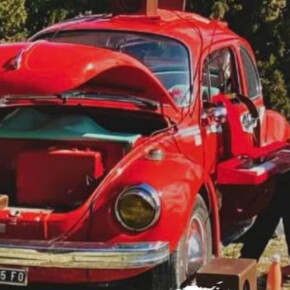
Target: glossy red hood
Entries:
(43, 68)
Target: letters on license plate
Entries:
(16, 277)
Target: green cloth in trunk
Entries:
(28, 123)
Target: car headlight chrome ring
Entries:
(138, 207)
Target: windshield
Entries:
(166, 58)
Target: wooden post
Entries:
(152, 6)
(172, 4)
(138, 7)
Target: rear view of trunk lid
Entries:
(46, 68)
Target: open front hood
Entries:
(44, 68)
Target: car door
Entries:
(219, 76)
(243, 202)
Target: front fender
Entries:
(177, 180)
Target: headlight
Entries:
(138, 207)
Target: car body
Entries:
(128, 141)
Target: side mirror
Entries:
(217, 113)
(220, 114)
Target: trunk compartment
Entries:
(54, 175)
(53, 158)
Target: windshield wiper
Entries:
(28, 97)
(143, 101)
(86, 95)
(127, 98)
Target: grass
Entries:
(275, 246)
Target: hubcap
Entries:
(196, 246)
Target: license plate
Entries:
(16, 277)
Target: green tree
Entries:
(13, 17)
(42, 13)
(266, 26)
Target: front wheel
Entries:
(194, 250)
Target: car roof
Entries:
(188, 28)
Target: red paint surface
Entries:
(188, 165)
(42, 63)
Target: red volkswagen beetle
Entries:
(126, 139)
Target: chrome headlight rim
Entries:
(149, 194)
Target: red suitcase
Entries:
(56, 178)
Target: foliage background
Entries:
(266, 24)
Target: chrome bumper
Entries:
(71, 255)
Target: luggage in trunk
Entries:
(56, 178)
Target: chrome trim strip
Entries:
(19, 57)
(261, 111)
(214, 129)
(70, 255)
(190, 131)
(193, 131)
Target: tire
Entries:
(180, 272)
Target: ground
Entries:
(275, 246)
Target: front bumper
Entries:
(72, 255)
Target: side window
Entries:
(220, 74)
(251, 74)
